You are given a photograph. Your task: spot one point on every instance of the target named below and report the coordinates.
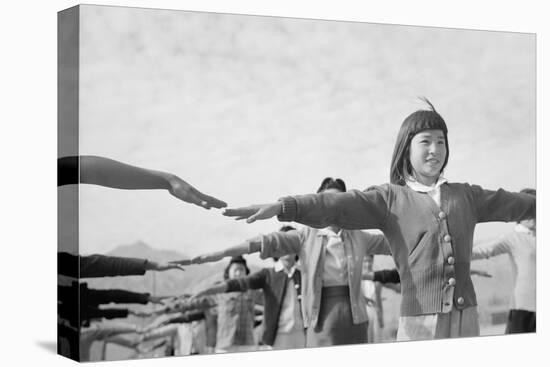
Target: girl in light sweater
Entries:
(521, 248)
(428, 221)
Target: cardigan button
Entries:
(460, 300)
(452, 281)
(442, 215)
(451, 260)
(447, 238)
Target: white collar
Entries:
(280, 267)
(520, 228)
(420, 187)
(329, 232)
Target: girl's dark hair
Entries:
(414, 123)
(286, 229)
(331, 183)
(235, 260)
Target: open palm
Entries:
(254, 212)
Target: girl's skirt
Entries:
(454, 324)
(335, 324)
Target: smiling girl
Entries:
(428, 221)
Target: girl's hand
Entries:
(255, 212)
(184, 191)
(181, 262)
(140, 313)
(200, 294)
(158, 322)
(370, 302)
(481, 273)
(212, 257)
(159, 299)
(152, 265)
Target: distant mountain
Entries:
(143, 250)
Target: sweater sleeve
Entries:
(104, 296)
(277, 244)
(104, 266)
(349, 210)
(502, 205)
(107, 313)
(161, 332)
(256, 280)
(377, 244)
(490, 249)
(188, 316)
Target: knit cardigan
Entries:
(431, 246)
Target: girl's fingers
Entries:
(190, 197)
(231, 212)
(239, 212)
(211, 201)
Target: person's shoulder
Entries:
(381, 187)
(462, 187)
(459, 184)
(306, 232)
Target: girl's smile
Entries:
(427, 154)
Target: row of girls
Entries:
(425, 223)
(85, 315)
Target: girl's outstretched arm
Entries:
(255, 280)
(502, 205)
(269, 245)
(490, 248)
(110, 173)
(161, 332)
(349, 210)
(215, 289)
(237, 250)
(253, 213)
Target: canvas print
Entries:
(235, 183)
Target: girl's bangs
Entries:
(425, 120)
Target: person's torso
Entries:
(235, 319)
(312, 259)
(524, 264)
(432, 247)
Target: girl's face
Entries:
(288, 261)
(237, 270)
(427, 156)
(332, 190)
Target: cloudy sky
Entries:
(249, 109)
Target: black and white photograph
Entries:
(254, 184)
